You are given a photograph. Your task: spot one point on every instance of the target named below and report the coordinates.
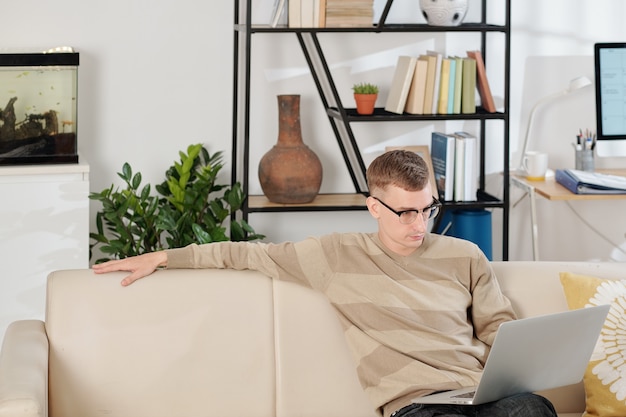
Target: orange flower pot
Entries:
(365, 103)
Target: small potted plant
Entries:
(365, 95)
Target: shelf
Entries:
(338, 202)
(323, 202)
(465, 27)
(342, 118)
(381, 115)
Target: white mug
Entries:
(536, 165)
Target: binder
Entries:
(582, 182)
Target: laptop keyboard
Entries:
(466, 395)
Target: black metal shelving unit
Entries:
(341, 118)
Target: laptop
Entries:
(532, 354)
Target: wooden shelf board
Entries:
(330, 201)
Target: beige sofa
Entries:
(212, 343)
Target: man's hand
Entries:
(139, 266)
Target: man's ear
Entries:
(373, 206)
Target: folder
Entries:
(582, 182)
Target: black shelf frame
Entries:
(341, 118)
(385, 27)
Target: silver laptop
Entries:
(533, 354)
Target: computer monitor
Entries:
(610, 83)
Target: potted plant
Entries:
(365, 95)
(192, 208)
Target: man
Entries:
(419, 310)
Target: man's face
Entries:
(402, 239)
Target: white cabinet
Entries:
(44, 226)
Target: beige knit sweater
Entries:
(415, 324)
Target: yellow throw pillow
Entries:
(605, 377)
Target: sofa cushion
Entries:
(122, 351)
(605, 378)
(202, 342)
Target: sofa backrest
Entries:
(534, 288)
(231, 343)
(195, 343)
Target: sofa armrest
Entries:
(24, 370)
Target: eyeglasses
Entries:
(409, 216)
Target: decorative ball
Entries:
(444, 12)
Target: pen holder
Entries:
(585, 160)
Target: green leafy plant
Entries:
(191, 208)
(365, 88)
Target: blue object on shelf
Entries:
(445, 223)
(475, 226)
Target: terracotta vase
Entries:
(290, 172)
(365, 103)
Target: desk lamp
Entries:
(575, 84)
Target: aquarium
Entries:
(38, 100)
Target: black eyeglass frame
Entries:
(433, 207)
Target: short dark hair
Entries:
(400, 168)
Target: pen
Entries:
(585, 140)
(593, 142)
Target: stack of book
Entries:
(455, 165)
(435, 84)
(349, 13)
(324, 13)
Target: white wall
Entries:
(552, 43)
(156, 76)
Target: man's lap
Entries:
(522, 405)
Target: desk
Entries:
(552, 190)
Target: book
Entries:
(294, 14)
(307, 13)
(415, 99)
(469, 177)
(442, 150)
(468, 87)
(583, 182)
(321, 14)
(437, 80)
(486, 99)
(430, 82)
(279, 8)
(451, 85)
(400, 84)
(444, 86)
(459, 168)
(458, 84)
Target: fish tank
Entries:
(38, 100)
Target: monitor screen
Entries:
(610, 83)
